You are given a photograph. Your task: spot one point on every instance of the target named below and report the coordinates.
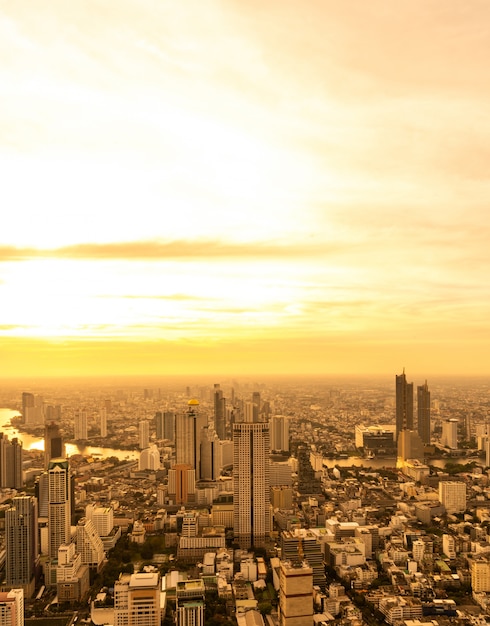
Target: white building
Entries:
(137, 600)
(12, 607)
(452, 496)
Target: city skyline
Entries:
(244, 189)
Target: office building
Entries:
(404, 404)
(182, 484)
(449, 436)
(59, 505)
(190, 604)
(251, 483)
(11, 476)
(137, 600)
(81, 426)
(480, 575)
(21, 543)
(54, 447)
(144, 434)
(150, 459)
(89, 545)
(165, 425)
(279, 429)
(296, 594)
(12, 607)
(188, 434)
(423, 412)
(32, 409)
(219, 412)
(452, 495)
(103, 422)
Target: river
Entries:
(31, 442)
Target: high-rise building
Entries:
(188, 434)
(279, 425)
(137, 600)
(103, 422)
(28, 401)
(182, 484)
(53, 443)
(219, 412)
(449, 436)
(211, 447)
(89, 545)
(81, 425)
(21, 539)
(452, 495)
(423, 412)
(12, 607)
(144, 434)
(190, 604)
(102, 518)
(404, 404)
(59, 505)
(296, 596)
(251, 483)
(10, 463)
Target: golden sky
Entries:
(244, 187)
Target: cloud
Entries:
(154, 250)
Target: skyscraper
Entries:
(59, 505)
(279, 433)
(219, 412)
(187, 435)
(103, 422)
(404, 404)
(21, 538)
(53, 443)
(10, 463)
(423, 412)
(251, 489)
(81, 425)
(144, 434)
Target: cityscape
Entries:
(286, 501)
(244, 321)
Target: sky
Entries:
(225, 188)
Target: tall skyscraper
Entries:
(423, 412)
(188, 434)
(21, 538)
(404, 404)
(59, 505)
(251, 485)
(449, 436)
(144, 434)
(279, 433)
(28, 401)
(10, 463)
(53, 443)
(219, 412)
(103, 422)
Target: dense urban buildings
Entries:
(308, 482)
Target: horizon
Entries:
(244, 188)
